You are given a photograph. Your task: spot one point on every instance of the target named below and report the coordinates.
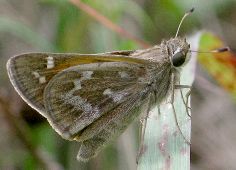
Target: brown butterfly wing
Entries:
(111, 125)
(78, 96)
(30, 73)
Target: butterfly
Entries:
(92, 98)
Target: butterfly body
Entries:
(92, 98)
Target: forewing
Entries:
(30, 73)
(79, 95)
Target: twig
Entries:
(108, 23)
(19, 127)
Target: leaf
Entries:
(164, 146)
(221, 66)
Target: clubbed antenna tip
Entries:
(191, 10)
(223, 49)
(185, 15)
(219, 50)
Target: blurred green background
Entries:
(59, 26)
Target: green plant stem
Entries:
(107, 23)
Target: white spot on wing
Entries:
(123, 74)
(42, 79)
(78, 102)
(107, 92)
(50, 62)
(116, 96)
(36, 74)
(77, 84)
(87, 75)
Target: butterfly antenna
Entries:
(185, 15)
(219, 50)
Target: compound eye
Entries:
(178, 59)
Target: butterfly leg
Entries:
(142, 129)
(159, 111)
(173, 107)
(187, 96)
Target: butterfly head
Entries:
(178, 50)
